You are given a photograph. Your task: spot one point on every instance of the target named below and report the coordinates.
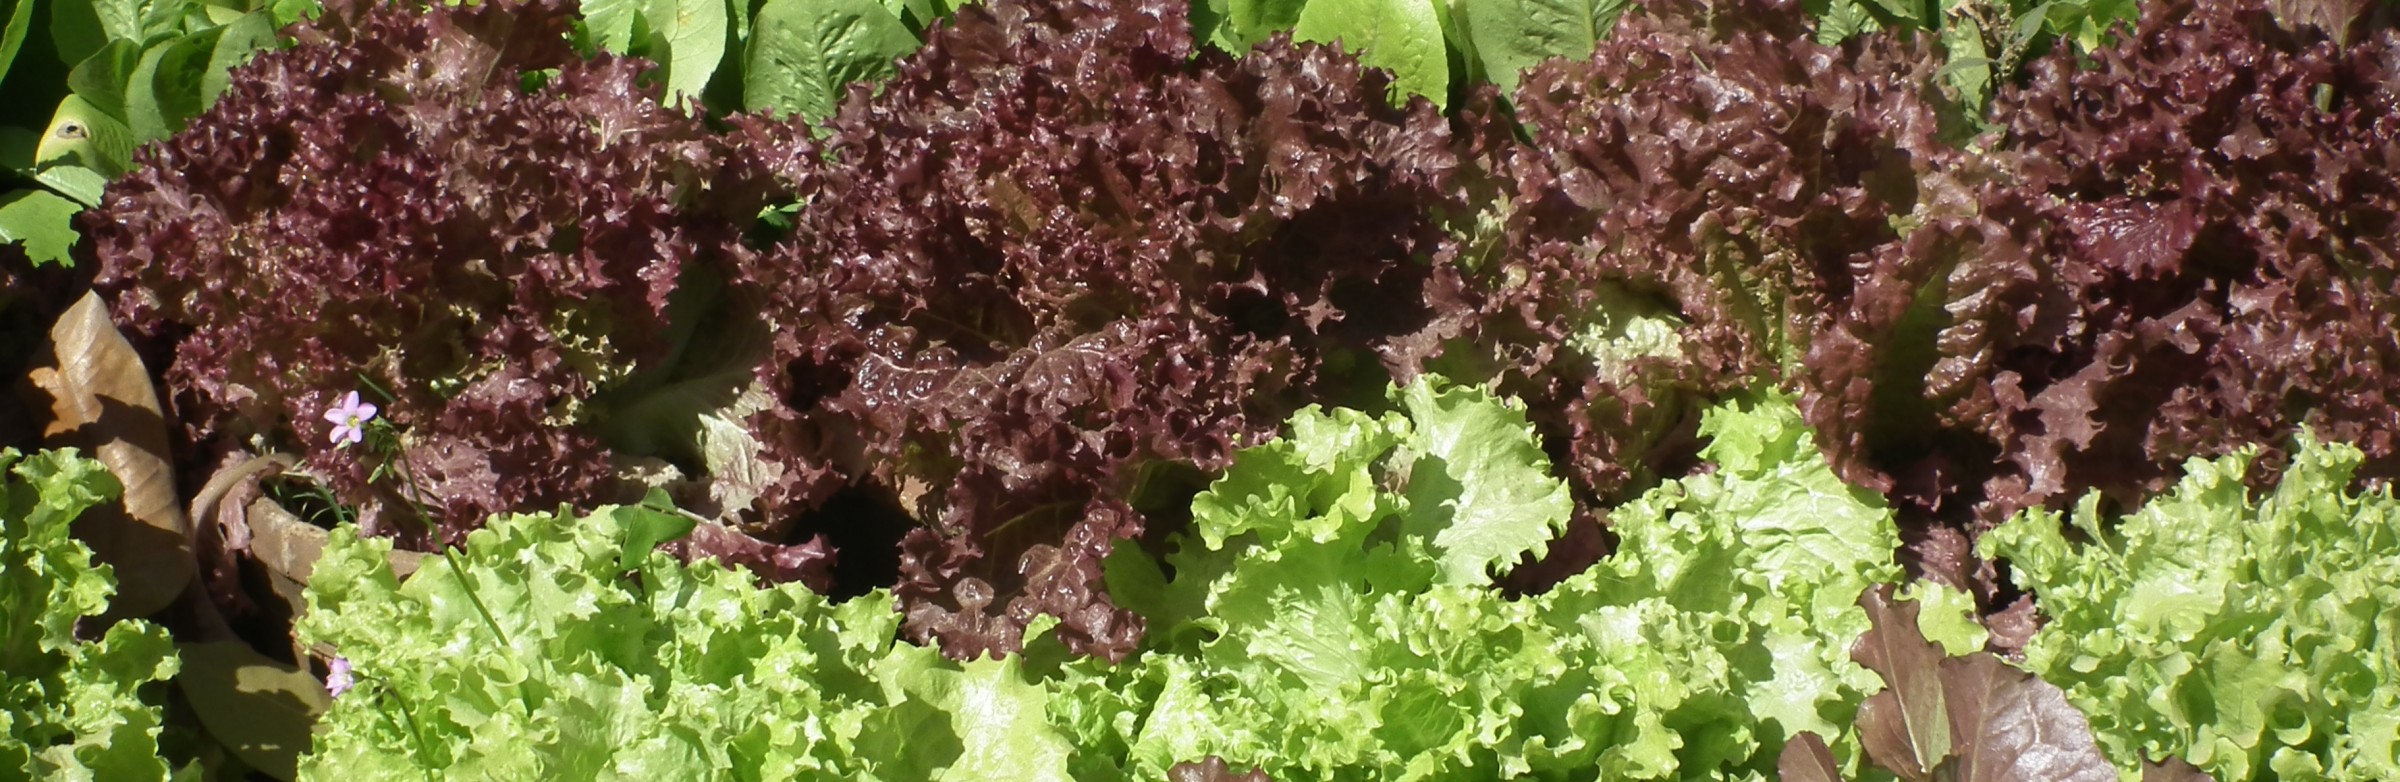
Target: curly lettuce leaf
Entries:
(69, 709)
(1317, 625)
(539, 651)
(2251, 635)
(1039, 317)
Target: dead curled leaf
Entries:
(100, 400)
(258, 707)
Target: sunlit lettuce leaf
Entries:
(2252, 635)
(532, 653)
(69, 709)
(1316, 625)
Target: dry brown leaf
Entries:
(260, 708)
(100, 400)
(291, 547)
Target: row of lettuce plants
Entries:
(984, 324)
(985, 341)
(1332, 615)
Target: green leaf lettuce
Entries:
(2253, 636)
(69, 710)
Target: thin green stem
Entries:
(477, 600)
(416, 733)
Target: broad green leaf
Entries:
(999, 720)
(240, 40)
(686, 672)
(12, 37)
(609, 23)
(82, 134)
(919, 14)
(1837, 20)
(80, 28)
(165, 90)
(1402, 36)
(285, 12)
(1508, 36)
(1212, 22)
(1252, 21)
(1910, 11)
(168, 18)
(2029, 25)
(101, 79)
(1947, 617)
(222, 15)
(1970, 69)
(1309, 625)
(804, 53)
(74, 181)
(43, 222)
(688, 38)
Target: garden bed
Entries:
(1125, 389)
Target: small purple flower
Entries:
(337, 677)
(349, 419)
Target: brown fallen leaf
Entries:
(99, 399)
(260, 708)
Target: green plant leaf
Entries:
(42, 221)
(81, 28)
(609, 24)
(101, 78)
(1309, 626)
(1910, 11)
(285, 12)
(164, 88)
(83, 134)
(804, 53)
(999, 720)
(1251, 21)
(1508, 36)
(1841, 19)
(688, 38)
(2177, 627)
(70, 708)
(73, 181)
(12, 37)
(646, 525)
(239, 40)
(1476, 490)
(1402, 36)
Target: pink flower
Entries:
(349, 419)
(337, 677)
